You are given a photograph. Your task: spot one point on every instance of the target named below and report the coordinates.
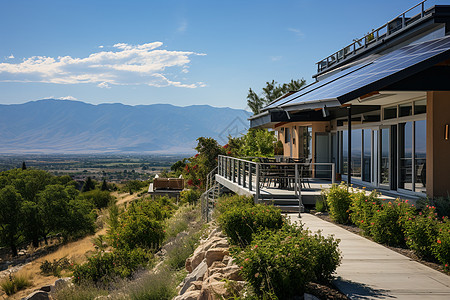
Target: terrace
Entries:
(288, 183)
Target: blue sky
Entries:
(176, 52)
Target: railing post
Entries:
(333, 175)
(233, 166)
(244, 173)
(239, 172)
(257, 184)
(250, 167)
(296, 180)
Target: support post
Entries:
(257, 185)
(250, 167)
(349, 146)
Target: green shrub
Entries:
(388, 223)
(441, 246)
(99, 198)
(86, 291)
(338, 201)
(321, 205)
(421, 232)
(239, 223)
(225, 203)
(442, 205)
(181, 249)
(54, 268)
(153, 286)
(363, 208)
(282, 262)
(105, 267)
(14, 283)
(190, 196)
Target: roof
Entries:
(371, 74)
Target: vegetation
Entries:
(14, 283)
(425, 229)
(54, 268)
(277, 259)
(36, 204)
(271, 92)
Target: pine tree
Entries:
(104, 185)
(24, 166)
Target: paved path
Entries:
(371, 271)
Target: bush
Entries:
(442, 205)
(282, 262)
(190, 196)
(225, 203)
(15, 283)
(363, 208)
(158, 286)
(105, 267)
(338, 201)
(99, 198)
(239, 223)
(441, 246)
(388, 223)
(421, 232)
(54, 268)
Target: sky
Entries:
(180, 52)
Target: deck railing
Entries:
(397, 24)
(253, 176)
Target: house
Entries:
(379, 108)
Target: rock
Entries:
(46, 288)
(216, 267)
(310, 297)
(196, 275)
(193, 261)
(62, 282)
(21, 253)
(214, 290)
(191, 295)
(318, 213)
(215, 254)
(38, 295)
(215, 242)
(232, 273)
(213, 233)
(226, 259)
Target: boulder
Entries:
(191, 295)
(193, 261)
(196, 275)
(232, 273)
(215, 254)
(216, 267)
(38, 295)
(215, 242)
(214, 290)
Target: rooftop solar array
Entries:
(373, 75)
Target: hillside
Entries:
(64, 126)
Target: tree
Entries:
(88, 185)
(10, 217)
(24, 166)
(271, 92)
(104, 185)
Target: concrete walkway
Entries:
(371, 271)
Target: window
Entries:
(420, 156)
(390, 112)
(406, 155)
(287, 136)
(356, 153)
(367, 147)
(405, 110)
(420, 107)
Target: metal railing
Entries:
(400, 22)
(254, 175)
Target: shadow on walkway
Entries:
(356, 290)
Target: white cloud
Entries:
(101, 46)
(297, 32)
(10, 57)
(127, 65)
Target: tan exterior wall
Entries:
(438, 149)
(316, 127)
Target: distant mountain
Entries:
(64, 126)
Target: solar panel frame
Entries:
(379, 73)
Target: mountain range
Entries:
(66, 126)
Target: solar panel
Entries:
(383, 71)
(346, 70)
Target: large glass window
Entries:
(305, 138)
(356, 153)
(420, 107)
(406, 155)
(367, 139)
(384, 163)
(344, 151)
(390, 112)
(420, 155)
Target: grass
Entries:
(154, 286)
(83, 292)
(15, 282)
